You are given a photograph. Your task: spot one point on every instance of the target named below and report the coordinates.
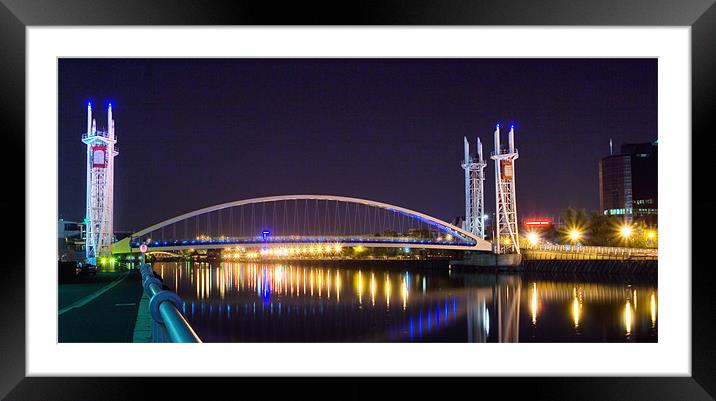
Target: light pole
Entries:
(626, 232)
(265, 234)
(575, 235)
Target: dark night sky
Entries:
(197, 132)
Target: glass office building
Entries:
(628, 182)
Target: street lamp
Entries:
(626, 231)
(533, 238)
(575, 235)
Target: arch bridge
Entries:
(302, 223)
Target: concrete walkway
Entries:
(81, 287)
(105, 315)
(143, 325)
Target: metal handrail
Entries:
(164, 308)
(590, 252)
(591, 249)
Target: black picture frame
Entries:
(16, 15)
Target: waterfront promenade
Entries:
(83, 307)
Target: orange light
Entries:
(533, 238)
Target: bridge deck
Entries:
(255, 242)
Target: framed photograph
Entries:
(466, 190)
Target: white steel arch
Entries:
(480, 244)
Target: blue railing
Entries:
(168, 322)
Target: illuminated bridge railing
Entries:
(305, 219)
(550, 251)
(228, 242)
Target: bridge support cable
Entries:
(336, 220)
(317, 219)
(292, 224)
(285, 214)
(327, 223)
(263, 215)
(295, 216)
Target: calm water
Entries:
(276, 302)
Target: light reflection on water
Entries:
(274, 302)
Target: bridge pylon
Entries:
(474, 167)
(506, 238)
(101, 151)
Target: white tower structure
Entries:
(101, 151)
(474, 195)
(506, 238)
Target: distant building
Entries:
(628, 182)
(71, 237)
(70, 229)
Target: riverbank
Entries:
(638, 267)
(597, 267)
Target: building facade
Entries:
(628, 182)
(71, 236)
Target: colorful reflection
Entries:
(286, 302)
(577, 297)
(534, 303)
(628, 318)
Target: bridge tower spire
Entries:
(474, 194)
(506, 239)
(101, 151)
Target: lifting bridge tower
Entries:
(101, 151)
(474, 194)
(506, 239)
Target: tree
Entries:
(602, 229)
(575, 221)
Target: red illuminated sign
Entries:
(538, 223)
(99, 156)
